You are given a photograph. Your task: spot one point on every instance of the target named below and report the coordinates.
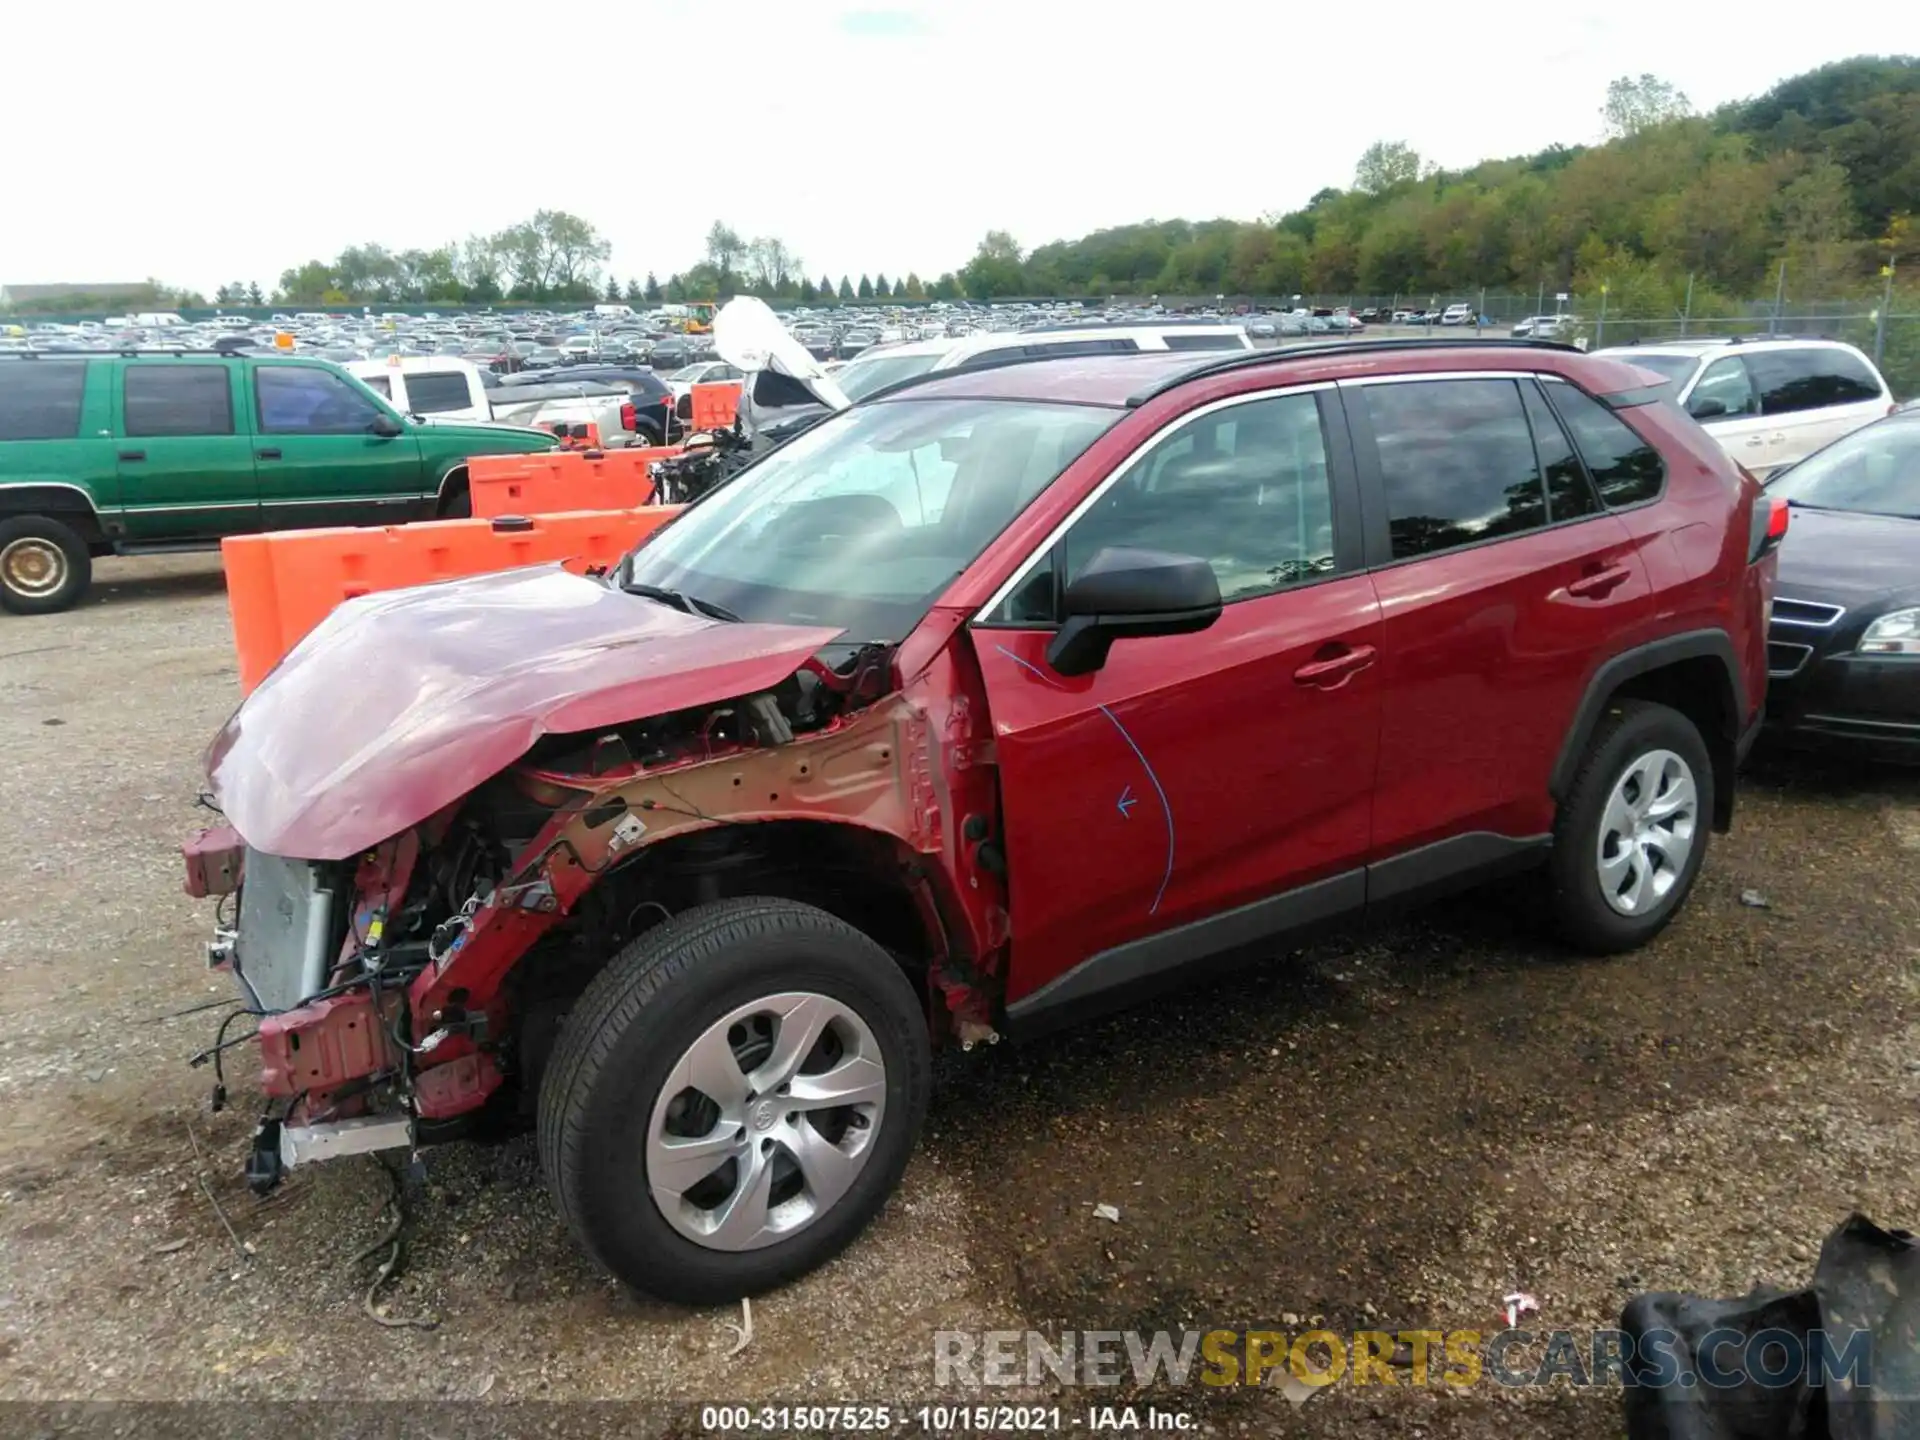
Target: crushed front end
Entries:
(493, 845)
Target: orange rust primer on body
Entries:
(912, 766)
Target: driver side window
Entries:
(301, 400)
(1727, 385)
(1245, 489)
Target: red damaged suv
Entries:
(1000, 697)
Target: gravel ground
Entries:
(1387, 1132)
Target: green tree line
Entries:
(1818, 172)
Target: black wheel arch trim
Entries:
(1709, 644)
(72, 505)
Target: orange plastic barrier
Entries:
(553, 481)
(281, 585)
(714, 406)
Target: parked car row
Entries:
(143, 452)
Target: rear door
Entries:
(319, 460)
(1500, 576)
(1194, 774)
(1812, 395)
(56, 419)
(184, 456)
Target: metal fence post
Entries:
(1600, 325)
(1686, 315)
(1880, 320)
(1779, 298)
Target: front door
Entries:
(1727, 402)
(1196, 775)
(184, 459)
(318, 458)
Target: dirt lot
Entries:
(1390, 1132)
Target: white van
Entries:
(879, 367)
(1769, 402)
(613, 312)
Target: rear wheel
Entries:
(456, 501)
(1632, 832)
(44, 565)
(733, 1099)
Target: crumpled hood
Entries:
(399, 703)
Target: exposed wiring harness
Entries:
(393, 1243)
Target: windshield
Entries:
(862, 377)
(862, 521)
(1674, 369)
(1875, 471)
(688, 373)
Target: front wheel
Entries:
(1632, 831)
(44, 566)
(733, 1098)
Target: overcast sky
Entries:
(200, 141)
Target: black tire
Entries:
(457, 503)
(1627, 731)
(45, 566)
(629, 1030)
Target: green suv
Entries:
(149, 452)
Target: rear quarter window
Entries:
(40, 399)
(1626, 470)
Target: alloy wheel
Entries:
(766, 1121)
(1647, 832)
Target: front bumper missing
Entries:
(332, 1140)
(279, 1147)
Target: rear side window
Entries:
(1790, 380)
(1626, 470)
(178, 400)
(434, 391)
(1456, 461)
(1051, 349)
(40, 399)
(1569, 496)
(1178, 341)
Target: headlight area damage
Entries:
(449, 807)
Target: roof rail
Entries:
(121, 350)
(1222, 361)
(1210, 362)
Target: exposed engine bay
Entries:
(412, 994)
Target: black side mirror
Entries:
(386, 427)
(1125, 592)
(1705, 407)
